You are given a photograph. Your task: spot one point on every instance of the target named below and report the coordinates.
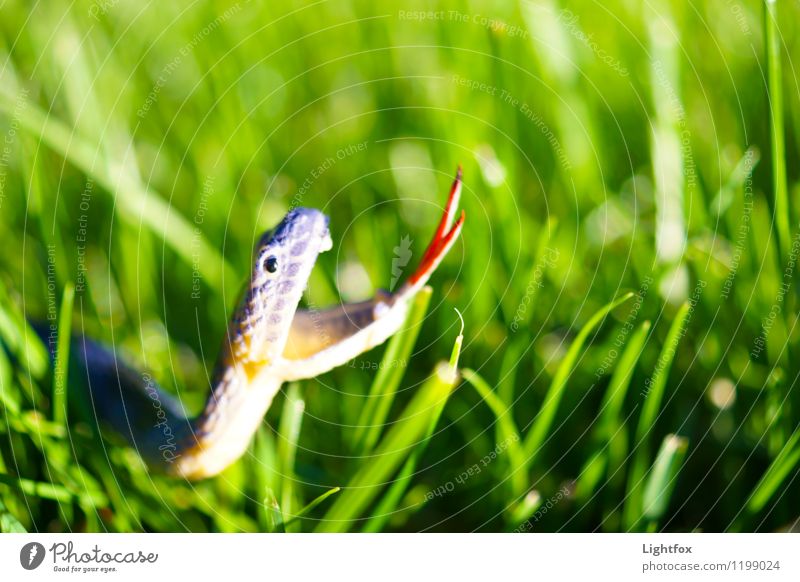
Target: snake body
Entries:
(269, 341)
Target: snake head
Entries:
(282, 263)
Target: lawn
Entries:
(627, 274)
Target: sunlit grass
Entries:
(144, 149)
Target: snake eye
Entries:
(271, 264)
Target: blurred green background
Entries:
(608, 148)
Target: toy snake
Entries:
(269, 341)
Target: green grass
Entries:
(653, 394)
(622, 162)
(662, 479)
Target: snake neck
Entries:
(221, 433)
(131, 404)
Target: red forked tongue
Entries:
(443, 239)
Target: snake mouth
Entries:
(327, 243)
(320, 231)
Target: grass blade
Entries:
(662, 478)
(263, 471)
(652, 405)
(135, 201)
(404, 436)
(777, 472)
(506, 429)
(289, 434)
(9, 523)
(272, 513)
(21, 340)
(610, 420)
(780, 191)
(610, 426)
(508, 368)
(544, 420)
(313, 504)
(525, 509)
(60, 368)
(542, 260)
(391, 499)
(384, 386)
(51, 490)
